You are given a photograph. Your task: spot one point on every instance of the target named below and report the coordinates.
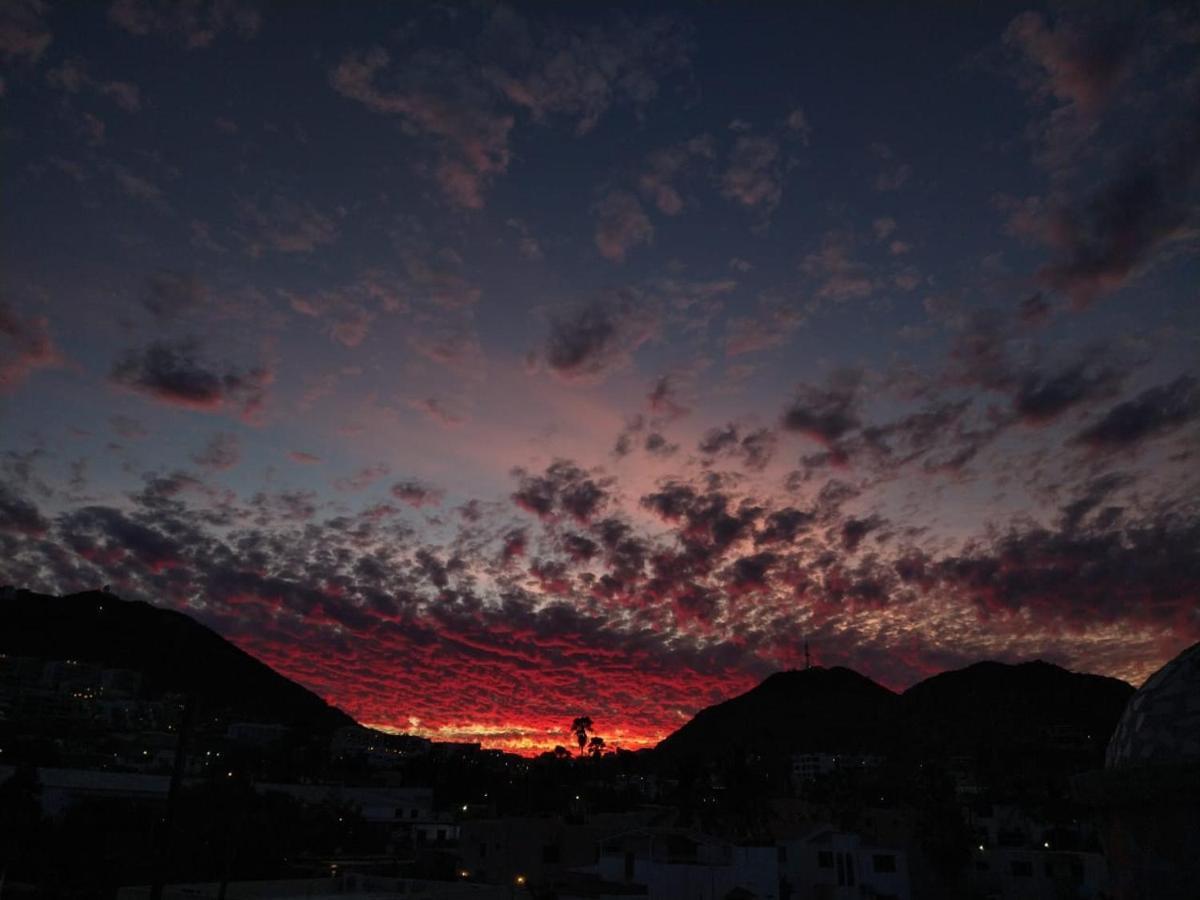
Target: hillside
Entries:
(809, 709)
(994, 706)
(991, 704)
(172, 651)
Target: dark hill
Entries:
(987, 706)
(802, 709)
(994, 705)
(174, 653)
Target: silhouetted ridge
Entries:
(800, 709)
(174, 653)
(988, 705)
(996, 705)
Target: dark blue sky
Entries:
(462, 361)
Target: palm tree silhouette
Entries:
(580, 728)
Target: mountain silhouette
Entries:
(995, 705)
(174, 653)
(797, 710)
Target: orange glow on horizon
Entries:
(520, 739)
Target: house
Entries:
(673, 864)
(834, 865)
(811, 766)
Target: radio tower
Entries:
(807, 660)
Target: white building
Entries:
(834, 865)
(677, 865)
(811, 766)
(378, 748)
(1008, 873)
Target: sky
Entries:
(481, 366)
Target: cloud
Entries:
(884, 227)
(706, 522)
(284, 225)
(797, 122)
(753, 448)
(1080, 65)
(665, 168)
(437, 410)
(1156, 411)
(663, 400)
(172, 372)
(562, 488)
(197, 23)
(621, 225)
(840, 276)
(171, 294)
(784, 526)
(582, 73)
(598, 339)
(222, 452)
(363, 478)
(657, 445)
(772, 327)
(826, 413)
(348, 311)
(1142, 572)
(416, 494)
(754, 176)
(452, 343)
(854, 530)
(27, 347)
(1106, 238)
(893, 174)
(579, 595)
(139, 187)
(109, 536)
(73, 77)
(466, 104)
(528, 245)
(1035, 310)
(1041, 397)
(20, 516)
(979, 352)
(1078, 511)
(128, 427)
(435, 95)
(436, 278)
(24, 32)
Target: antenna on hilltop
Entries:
(807, 659)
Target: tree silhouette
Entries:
(596, 746)
(580, 728)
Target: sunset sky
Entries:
(481, 366)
